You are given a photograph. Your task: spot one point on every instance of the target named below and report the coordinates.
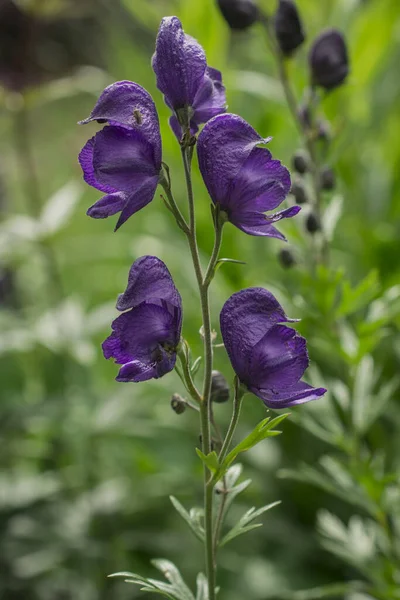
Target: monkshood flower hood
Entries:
(191, 89)
(242, 178)
(268, 358)
(145, 338)
(123, 160)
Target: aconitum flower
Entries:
(191, 89)
(145, 338)
(123, 160)
(288, 27)
(268, 358)
(329, 62)
(242, 178)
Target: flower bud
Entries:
(313, 223)
(239, 14)
(288, 27)
(300, 162)
(304, 114)
(327, 178)
(286, 258)
(299, 192)
(219, 388)
(328, 60)
(178, 404)
(323, 130)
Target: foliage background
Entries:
(87, 464)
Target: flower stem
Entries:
(205, 405)
(237, 405)
(304, 130)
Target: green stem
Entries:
(205, 405)
(190, 385)
(237, 405)
(303, 129)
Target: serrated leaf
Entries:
(190, 518)
(263, 430)
(172, 574)
(243, 525)
(211, 460)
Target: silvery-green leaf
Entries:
(192, 518)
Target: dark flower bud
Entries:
(288, 27)
(327, 178)
(299, 192)
(286, 258)
(323, 130)
(239, 14)
(178, 404)
(305, 115)
(300, 162)
(219, 388)
(328, 60)
(313, 223)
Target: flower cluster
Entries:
(124, 161)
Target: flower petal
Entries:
(122, 158)
(261, 184)
(86, 161)
(179, 63)
(210, 99)
(223, 147)
(298, 394)
(149, 281)
(245, 318)
(136, 371)
(130, 105)
(140, 334)
(260, 224)
(138, 199)
(107, 206)
(279, 359)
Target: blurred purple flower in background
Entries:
(243, 179)
(268, 358)
(123, 160)
(329, 62)
(145, 337)
(191, 89)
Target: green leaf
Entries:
(176, 589)
(263, 430)
(211, 460)
(202, 587)
(363, 389)
(195, 366)
(333, 590)
(243, 525)
(354, 299)
(172, 574)
(192, 518)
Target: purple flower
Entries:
(328, 58)
(268, 358)
(242, 178)
(123, 160)
(145, 338)
(191, 89)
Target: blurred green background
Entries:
(87, 464)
